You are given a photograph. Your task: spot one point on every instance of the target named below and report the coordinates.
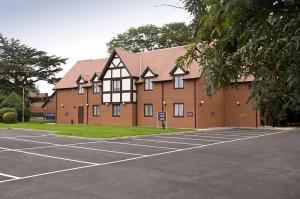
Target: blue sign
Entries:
(162, 116)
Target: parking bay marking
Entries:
(146, 156)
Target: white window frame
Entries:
(113, 85)
(96, 110)
(96, 87)
(80, 89)
(116, 111)
(148, 84)
(178, 81)
(148, 110)
(178, 110)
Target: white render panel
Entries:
(116, 97)
(116, 73)
(134, 85)
(125, 73)
(107, 74)
(106, 85)
(134, 97)
(111, 66)
(81, 81)
(149, 74)
(178, 71)
(125, 84)
(125, 97)
(116, 61)
(106, 97)
(121, 64)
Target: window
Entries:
(148, 110)
(148, 84)
(96, 87)
(96, 110)
(117, 85)
(178, 110)
(116, 110)
(81, 89)
(178, 81)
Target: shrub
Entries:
(15, 101)
(10, 118)
(6, 110)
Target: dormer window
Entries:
(178, 81)
(80, 89)
(148, 84)
(96, 87)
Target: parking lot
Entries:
(213, 163)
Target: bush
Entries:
(15, 101)
(6, 110)
(10, 118)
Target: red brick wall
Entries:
(242, 115)
(51, 105)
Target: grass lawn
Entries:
(92, 131)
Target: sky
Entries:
(80, 29)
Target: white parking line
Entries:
(9, 176)
(208, 136)
(68, 145)
(183, 138)
(142, 145)
(146, 156)
(25, 136)
(238, 133)
(166, 141)
(217, 134)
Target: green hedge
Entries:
(10, 118)
(6, 110)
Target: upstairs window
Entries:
(116, 85)
(178, 110)
(178, 81)
(148, 84)
(96, 87)
(80, 89)
(116, 110)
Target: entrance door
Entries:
(80, 114)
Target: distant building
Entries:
(49, 106)
(37, 100)
(132, 88)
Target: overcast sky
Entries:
(80, 29)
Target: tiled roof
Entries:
(161, 62)
(86, 69)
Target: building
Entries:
(131, 88)
(49, 106)
(37, 100)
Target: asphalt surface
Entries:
(219, 164)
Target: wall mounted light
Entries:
(106, 104)
(123, 103)
(164, 103)
(62, 105)
(201, 102)
(87, 104)
(237, 103)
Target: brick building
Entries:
(131, 88)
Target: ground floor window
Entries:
(148, 110)
(178, 110)
(96, 110)
(116, 110)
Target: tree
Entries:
(21, 65)
(235, 39)
(15, 101)
(151, 37)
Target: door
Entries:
(80, 114)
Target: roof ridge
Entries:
(161, 49)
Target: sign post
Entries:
(162, 116)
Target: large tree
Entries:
(151, 37)
(21, 65)
(242, 38)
